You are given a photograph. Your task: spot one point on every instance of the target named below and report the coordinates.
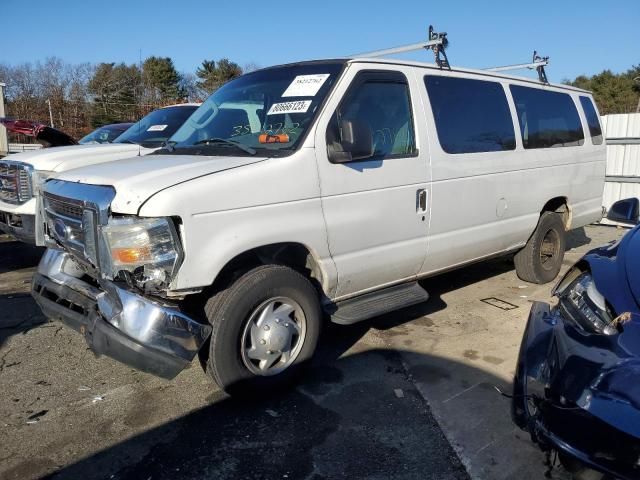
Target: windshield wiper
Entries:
(168, 145)
(127, 141)
(224, 141)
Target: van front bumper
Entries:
(117, 322)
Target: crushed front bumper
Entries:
(552, 366)
(116, 322)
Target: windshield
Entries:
(103, 134)
(155, 128)
(269, 110)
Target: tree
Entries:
(114, 88)
(212, 76)
(161, 80)
(614, 93)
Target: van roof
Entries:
(433, 66)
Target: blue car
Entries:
(577, 383)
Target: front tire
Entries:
(266, 326)
(541, 258)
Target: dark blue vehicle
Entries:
(577, 382)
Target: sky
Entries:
(580, 37)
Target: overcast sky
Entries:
(581, 37)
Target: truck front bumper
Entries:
(21, 221)
(21, 227)
(119, 323)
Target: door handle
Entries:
(422, 200)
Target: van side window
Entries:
(595, 130)
(381, 102)
(470, 115)
(547, 119)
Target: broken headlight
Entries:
(147, 248)
(584, 304)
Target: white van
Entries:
(361, 177)
(22, 174)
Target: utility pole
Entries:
(48, 102)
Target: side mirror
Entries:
(625, 211)
(356, 142)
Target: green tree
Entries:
(213, 75)
(114, 88)
(614, 93)
(161, 80)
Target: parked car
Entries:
(576, 388)
(45, 135)
(105, 133)
(21, 174)
(314, 189)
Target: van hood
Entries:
(138, 178)
(58, 159)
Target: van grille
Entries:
(15, 182)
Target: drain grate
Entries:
(501, 304)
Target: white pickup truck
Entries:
(327, 191)
(22, 174)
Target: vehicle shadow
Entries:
(16, 255)
(18, 314)
(577, 238)
(343, 421)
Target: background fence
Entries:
(623, 157)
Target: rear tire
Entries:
(266, 326)
(541, 259)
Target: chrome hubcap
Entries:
(273, 336)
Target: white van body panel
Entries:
(357, 196)
(235, 210)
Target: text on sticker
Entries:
(289, 107)
(156, 128)
(305, 85)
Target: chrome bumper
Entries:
(116, 322)
(21, 227)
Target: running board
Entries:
(371, 305)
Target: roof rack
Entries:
(438, 42)
(538, 63)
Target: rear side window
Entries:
(547, 119)
(595, 130)
(470, 115)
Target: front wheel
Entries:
(541, 258)
(265, 329)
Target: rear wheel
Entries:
(541, 259)
(265, 329)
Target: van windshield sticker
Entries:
(289, 107)
(156, 128)
(305, 85)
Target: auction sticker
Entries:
(305, 85)
(289, 107)
(156, 128)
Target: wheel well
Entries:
(293, 255)
(559, 205)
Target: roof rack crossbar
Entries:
(437, 43)
(538, 63)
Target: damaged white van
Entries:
(330, 190)
(22, 174)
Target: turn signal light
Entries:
(130, 255)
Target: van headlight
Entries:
(584, 304)
(148, 248)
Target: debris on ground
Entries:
(399, 393)
(97, 398)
